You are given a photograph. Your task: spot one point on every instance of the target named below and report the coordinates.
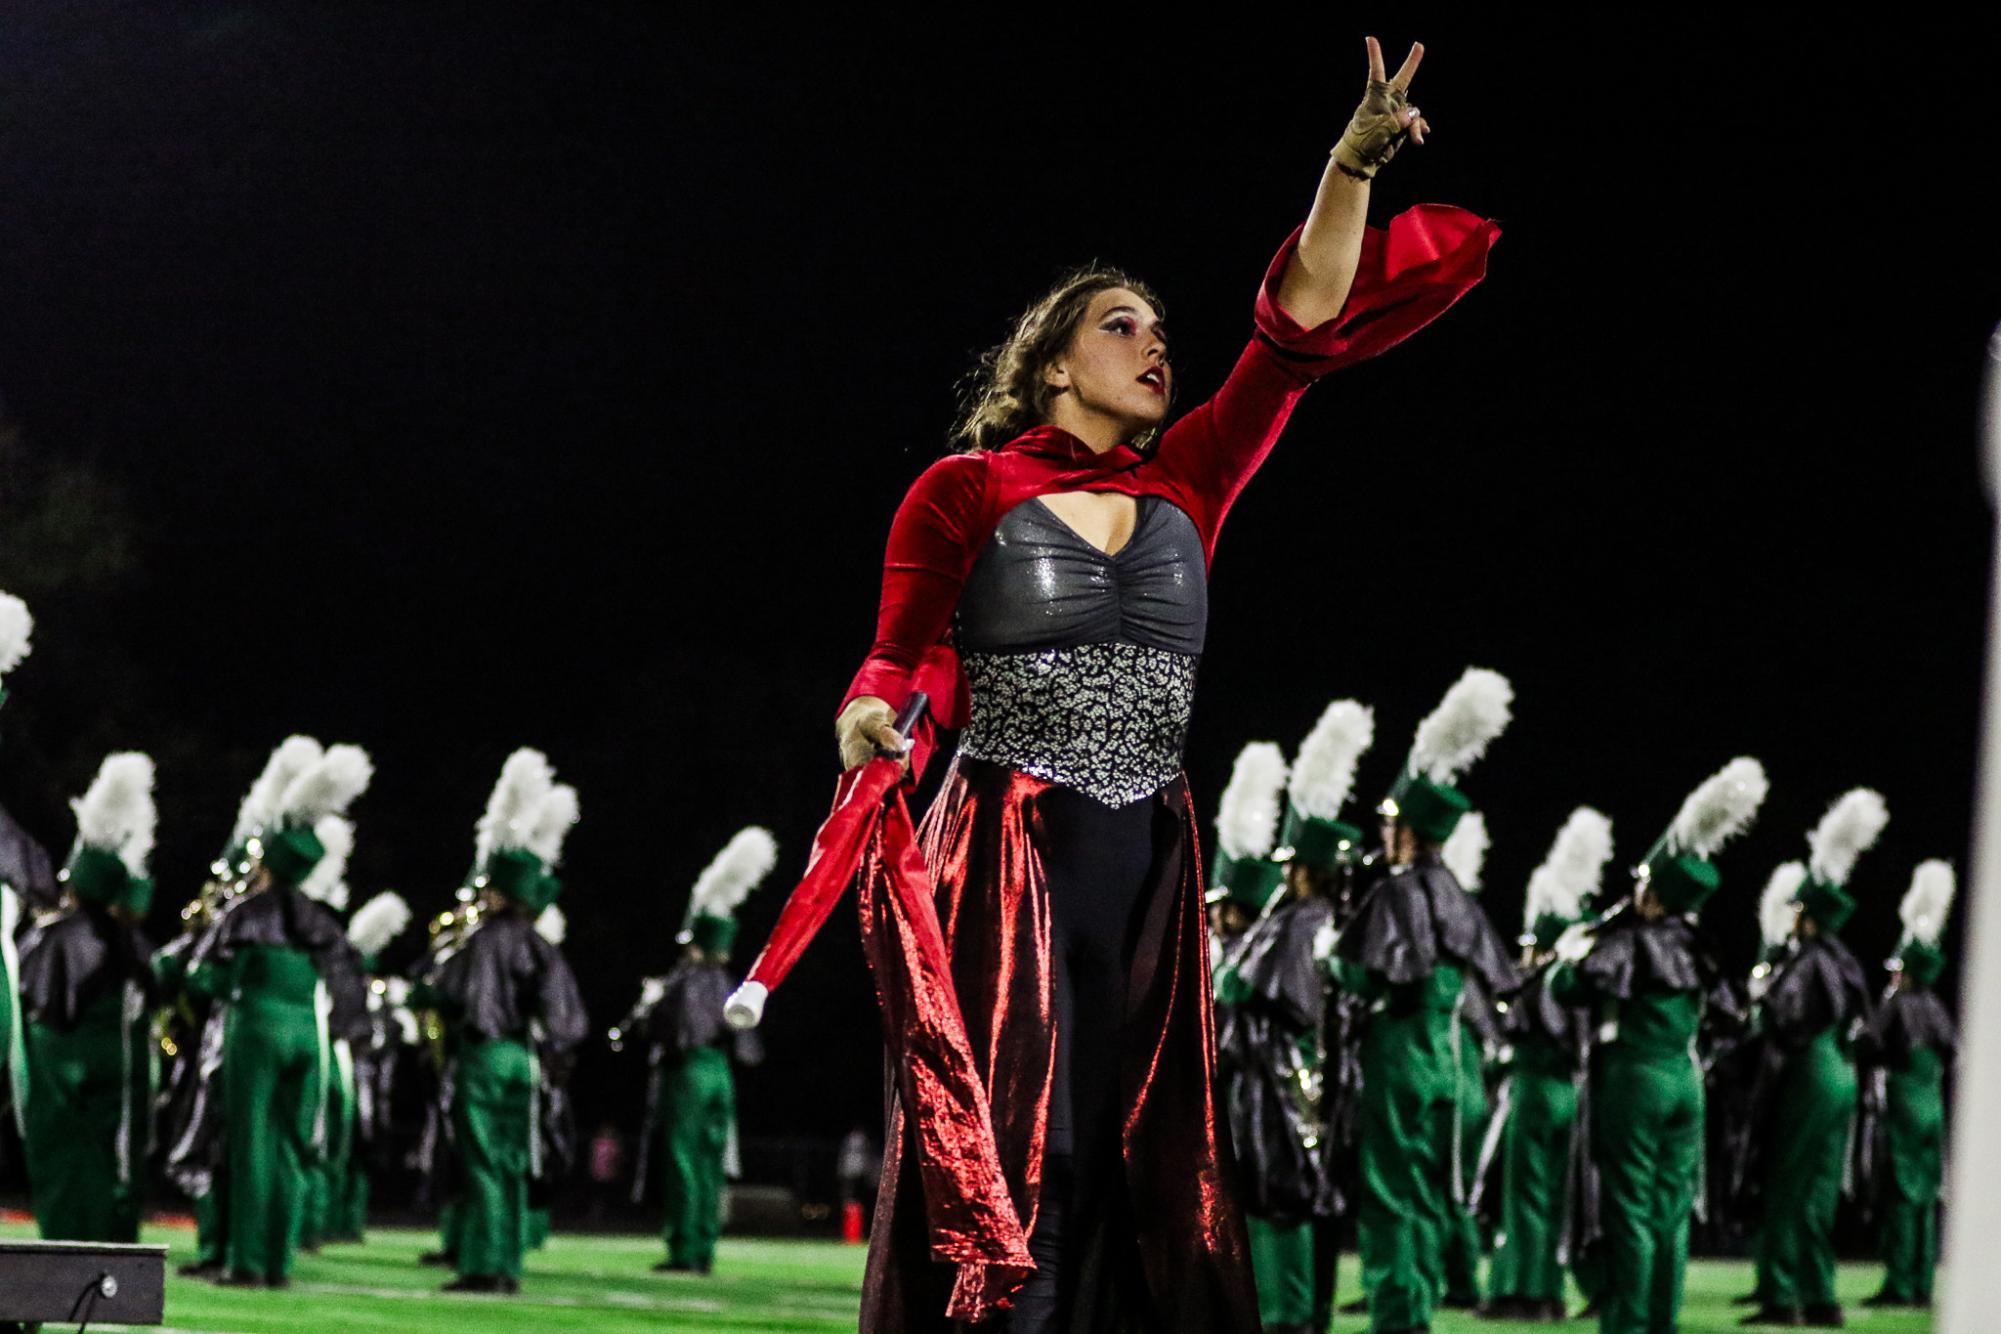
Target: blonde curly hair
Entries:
(1005, 394)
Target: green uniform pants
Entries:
(84, 1133)
(326, 1208)
(697, 1109)
(1408, 1111)
(1535, 1152)
(271, 1073)
(1803, 1173)
(1282, 1263)
(492, 1111)
(1647, 1141)
(1462, 1230)
(1916, 1125)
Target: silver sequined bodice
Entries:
(1082, 665)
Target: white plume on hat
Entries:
(551, 925)
(1775, 905)
(515, 806)
(1850, 828)
(1570, 874)
(1720, 809)
(336, 835)
(552, 824)
(1247, 821)
(378, 921)
(116, 813)
(259, 811)
(1323, 773)
(16, 628)
(1465, 851)
(739, 868)
(1474, 711)
(326, 787)
(1927, 902)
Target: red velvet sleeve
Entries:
(929, 556)
(1408, 275)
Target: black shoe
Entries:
(476, 1283)
(1360, 1306)
(437, 1259)
(1502, 1308)
(1775, 1315)
(1748, 1299)
(677, 1267)
(510, 1286)
(277, 1282)
(237, 1278)
(1885, 1299)
(1461, 1303)
(200, 1269)
(1824, 1315)
(1299, 1328)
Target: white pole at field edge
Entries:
(1972, 1292)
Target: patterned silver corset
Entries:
(1107, 719)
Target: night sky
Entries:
(453, 379)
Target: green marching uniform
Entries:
(1415, 935)
(1815, 1005)
(279, 961)
(85, 1004)
(691, 1089)
(1476, 1035)
(512, 1003)
(1543, 1061)
(1910, 1044)
(360, 1058)
(1757, 1067)
(13, 1062)
(1646, 978)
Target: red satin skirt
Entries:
(1172, 1258)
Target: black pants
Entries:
(1097, 861)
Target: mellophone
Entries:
(82, 1281)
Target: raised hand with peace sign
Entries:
(1384, 119)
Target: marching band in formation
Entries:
(1389, 1059)
(1567, 1105)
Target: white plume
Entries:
(1456, 733)
(293, 756)
(551, 925)
(16, 626)
(1323, 774)
(1850, 828)
(116, 812)
(336, 835)
(1719, 810)
(328, 787)
(552, 824)
(1775, 905)
(1247, 822)
(516, 803)
(1571, 873)
(1465, 851)
(727, 881)
(1928, 901)
(378, 921)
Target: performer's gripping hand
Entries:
(1384, 119)
(1574, 945)
(866, 729)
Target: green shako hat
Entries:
(1850, 828)
(115, 821)
(1247, 829)
(1924, 910)
(722, 887)
(259, 809)
(1678, 867)
(1321, 780)
(1567, 879)
(518, 841)
(1777, 909)
(16, 628)
(306, 813)
(1455, 734)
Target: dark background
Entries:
(448, 380)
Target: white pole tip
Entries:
(745, 1007)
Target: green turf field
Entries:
(602, 1283)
